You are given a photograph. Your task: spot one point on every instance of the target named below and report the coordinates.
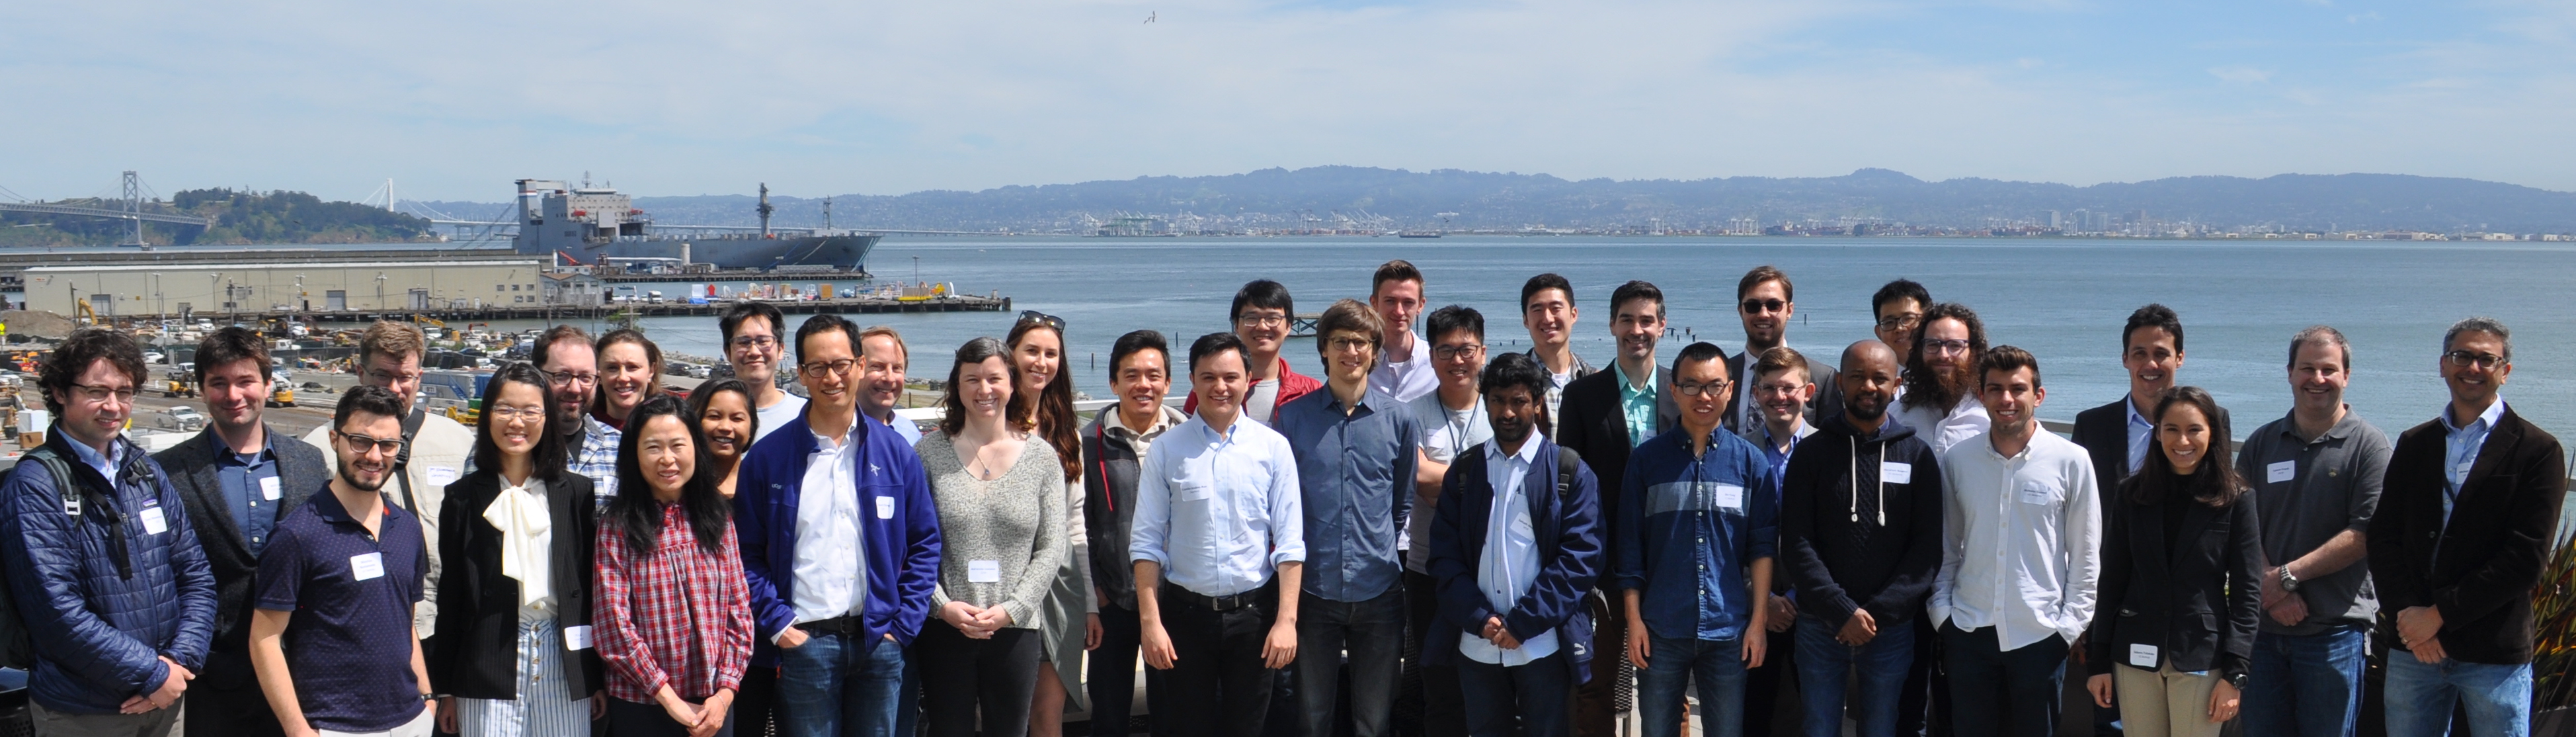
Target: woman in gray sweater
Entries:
(1002, 537)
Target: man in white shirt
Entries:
(2021, 542)
(752, 346)
(1404, 369)
(1547, 309)
(1218, 544)
(1453, 422)
(1940, 398)
(882, 360)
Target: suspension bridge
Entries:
(129, 207)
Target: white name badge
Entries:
(1896, 473)
(2279, 472)
(441, 475)
(885, 507)
(364, 566)
(2038, 494)
(153, 523)
(1193, 493)
(1730, 496)
(268, 488)
(2143, 656)
(577, 637)
(983, 571)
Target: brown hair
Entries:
(652, 359)
(952, 418)
(1782, 358)
(1396, 270)
(881, 330)
(1348, 315)
(390, 338)
(63, 367)
(2007, 358)
(1047, 412)
(1764, 273)
(2215, 483)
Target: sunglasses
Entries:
(1757, 306)
(1051, 322)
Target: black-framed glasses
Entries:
(753, 341)
(568, 379)
(1752, 306)
(1710, 389)
(1455, 352)
(361, 443)
(829, 368)
(1051, 322)
(1945, 346)
(2465, 359)
(1900, 321)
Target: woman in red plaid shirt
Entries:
(674, 617)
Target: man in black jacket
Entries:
(234, 498)
(2463, 528)
(1860, 534)
(2115, 434)
(1765, 301)
(1114, 444)
(1608, 413)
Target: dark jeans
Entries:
(1595, 701)
(834, 686)
(1373, 633)
(1111, 674)
(630, 719)
(1444, 709)
(1715, 667)
(1219, 685)
(1762, 685)
(242, 712)
(2306, 685)
(962, 677)
(2002, 692)
(1923, 705)
(1879, 668)
(1525, 700)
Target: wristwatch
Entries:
(2288, 582)
(2238, 680)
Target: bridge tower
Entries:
(134, 206)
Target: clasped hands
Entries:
(975, 622)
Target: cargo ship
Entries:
(595, 225)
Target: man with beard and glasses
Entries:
(752, 347)
(1860, 538)
(435, 450)
(572, 370)
(1940, 397)
(333, 637)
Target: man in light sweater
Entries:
(434, 451)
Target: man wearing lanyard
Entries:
(1453, 420)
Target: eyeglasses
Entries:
(1763, 305)
(820, 370)
(1455, 352)
(1710, 389)
(391, 377)
(1350, 344)
(506, 414)
(754, 341)
(1945, 346)
(2457, 358)
(1050, 321)
(571, 379)
(1900, 321)
(99, 394)
(1778, 389)
(1261, 321)
(362, 443)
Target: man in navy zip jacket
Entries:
(820, 494)
(1512, 619)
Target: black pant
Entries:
(1111, 675)
(242, 711)
(751, 701)
(1372, 633)
(962, 677)
(1923, 707)
(630, 719)
(1994, 691)
(1220, 687)
(1444, 709)
(1762, 685)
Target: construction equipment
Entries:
(467, 416)
(179, 384)
(283, 396)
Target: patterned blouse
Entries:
(679, 617)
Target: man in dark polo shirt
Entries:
(332, 640)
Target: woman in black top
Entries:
(2181, 589)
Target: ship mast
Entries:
(765, 209)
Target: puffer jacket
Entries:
(99, 628)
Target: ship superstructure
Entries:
(592, 225)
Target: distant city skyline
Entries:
(455, 100)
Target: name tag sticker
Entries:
(153, 523)
(268, 488)
(983, 571)
(364, 566)
(1896, 473)
(442, 475)
(2279, 472)
(1730, 496)
(2038, 494)
(577, 637)
(1521, 526)
(1193, 493)
(2143, 656)
(885, 507)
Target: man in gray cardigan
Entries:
(234, 497)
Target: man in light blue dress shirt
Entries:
(1217, 515)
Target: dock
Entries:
(710, 308)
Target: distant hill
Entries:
(1285, 198)
(241, 217)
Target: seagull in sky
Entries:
(1149, 17)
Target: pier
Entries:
(710, 308)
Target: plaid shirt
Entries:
(597, 459)
(680, 617)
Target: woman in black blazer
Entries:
(512, 650)
(2180, 588)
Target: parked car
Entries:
(182, 418)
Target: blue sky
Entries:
(453, 100)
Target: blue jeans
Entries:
(833, 686)
(1530, 700)
(1673, 663)
(2419, 697)
(2306, 685)
(1882, 665)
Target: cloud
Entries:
(2241, 74)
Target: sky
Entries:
(454, 100)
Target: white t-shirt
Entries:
(1446, 433)
(1406, 380)
(775, 416)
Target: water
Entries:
(2064, 300)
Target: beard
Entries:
(348, 473)
(1941, 387)
(1871, 411)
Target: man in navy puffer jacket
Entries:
(117, 601)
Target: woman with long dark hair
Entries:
(2181, 589)
(1070, 622)
(674, 609)
(630, 371)
(1001, 501)
(517, 580)
(722, 409)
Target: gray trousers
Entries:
(156, 723)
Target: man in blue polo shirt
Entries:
(1695, 547)
(332, 640)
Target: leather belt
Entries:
(843, 625)
(1246, 600)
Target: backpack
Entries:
(17, 650)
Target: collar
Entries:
(326, 504)
(1116, 422)
(1527, 455)
(116, 452)
(2342, 428)
(1370, 397)
(1772, 444)
(1211, 434)
(267, 444)
(2486, 420)
(1654, 375)
(858, 434)
(2130, 405)
(599, 414)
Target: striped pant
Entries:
(544, 708)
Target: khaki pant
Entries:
(2164, 702)
(156, 723)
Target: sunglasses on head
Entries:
(1049, 321)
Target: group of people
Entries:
(1427, 539)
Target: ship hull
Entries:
(838, 252)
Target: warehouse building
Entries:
(313, 286)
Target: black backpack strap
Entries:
(64, 483)
(1566, 461)
(402, 459)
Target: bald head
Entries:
(1870, 375)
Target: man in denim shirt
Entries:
(1694, 548)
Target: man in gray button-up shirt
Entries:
(2316, 476)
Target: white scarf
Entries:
(527, 534)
